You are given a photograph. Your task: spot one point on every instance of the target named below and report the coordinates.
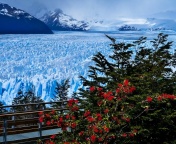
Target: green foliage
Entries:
(1, 109)
(25, 98)
(112, 109)
(61, 92)
(149, 69)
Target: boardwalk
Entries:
(26, 129)
(29, 135)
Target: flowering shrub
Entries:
(116, 118)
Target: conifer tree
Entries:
(61, 92)
(26, 98)
(149, 69)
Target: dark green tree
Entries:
(61, 92)
(2, 110)
(149, 67)
(26, 98)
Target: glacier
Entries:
(42, 60)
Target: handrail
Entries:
(5, 116)
(41, 103)
(30, 112)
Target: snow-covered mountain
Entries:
(17, 21)
(128, 24)
(57, 20)
(161, 24)
(170, 14)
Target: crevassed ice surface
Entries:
(41, 60)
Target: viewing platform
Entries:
(24, 127)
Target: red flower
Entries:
(135, 131)
(53, 136)
(160, 98)
(73, 117)
(67, 116)
(60, 119)
(75, 108)
(59, 124)
(120, 85)
(131, 135)
(90, 119)
(100, 89)
(47, 115)
(127, 119)
(40, 113)
(168, 96)
(125, 82)
(53, 112)
(132, 89)
(108, 96)
(71, 102)
(47, 142)
(114, 118)
(73, 125)
(81, 133)
(99, 117)
(87, 113)
(51, 142)
(119, 99)
(117, 90)
(149, 99)
(41, 119)
(48, 123)
(92, 88)
(106, 129)
(100, 131)
(100, 139)
(93, 138)
(106, 111)
(95, 129)
(124, 135)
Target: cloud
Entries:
(107, 9)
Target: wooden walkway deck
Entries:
(24, 126)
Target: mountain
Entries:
(17, 21)
(128, 24)
(161, 24)
(127, 28)
(170, 14)
(57, 20)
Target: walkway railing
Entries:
(26, 123)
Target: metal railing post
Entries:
(40, 130)
(4, 130)
(40, 125)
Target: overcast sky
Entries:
(107, 9)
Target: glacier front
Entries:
(41, 60)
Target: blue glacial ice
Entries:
(41, 60)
